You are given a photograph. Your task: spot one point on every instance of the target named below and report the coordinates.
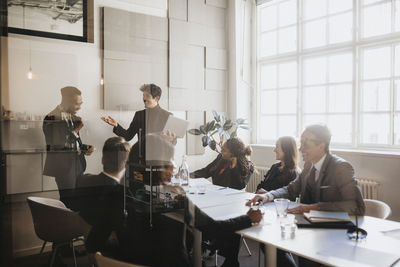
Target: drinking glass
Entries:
(281, 206)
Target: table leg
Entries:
(197, 239)
(270, 256)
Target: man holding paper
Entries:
(326, 183)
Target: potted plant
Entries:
(221, 125)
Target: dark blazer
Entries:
(276, 178)
(63, 158)
(228, 177)
(99, 200)
(156, 119)
(338, 189)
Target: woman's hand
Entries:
(110, 121)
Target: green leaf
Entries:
(245, 127)
(228, 124)
(216, 116)
(205, 140)
(212, 144)
(202, 130)
(210, 126)
(195, 131)
(234, 134)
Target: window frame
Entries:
(356, 46)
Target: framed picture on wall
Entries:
(60, 19)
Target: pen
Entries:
(222, 188)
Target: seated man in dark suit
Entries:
(326, 183)
(100, 198)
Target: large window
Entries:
(335, 62)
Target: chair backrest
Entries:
(108, 262)
(376, 208)
(53, 221)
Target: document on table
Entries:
(199, 181)
(327, 216)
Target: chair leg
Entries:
(73, 251)
(41, 250)
(216, 257)
(53, 255)
(245, 245)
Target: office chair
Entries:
(376, 208)
(54, 222)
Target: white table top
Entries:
(331, 246)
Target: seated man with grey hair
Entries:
(326, 183)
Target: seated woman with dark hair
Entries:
(231, 168)
(282, 173)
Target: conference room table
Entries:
(327, 246)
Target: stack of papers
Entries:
(317, 216)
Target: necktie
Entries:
(311, 178)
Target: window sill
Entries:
(361, 152)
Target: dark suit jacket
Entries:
(338, 189)
(229, 177)
(275, 178)
(144, 122)
(63, 158)
(99, 200)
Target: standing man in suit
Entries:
(326, 183)
(65, 159)
(100, 197)
(152, 119)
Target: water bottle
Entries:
(184, 172)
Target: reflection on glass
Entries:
(340, 28)
(267, 128)
(268, 76)
(376, 63)
(340, 68)
(336, 6)
(315, 70)
(340, 98)
(287, 101)
(314, 8)
(376, 19)
(268, 102)
(268, 18)
(376, 96)
(287, 125)
(340, 126)
(315, 33)
(288, 74)
(287, 13)
(375, 129)
(314, 99)
(287, 39)
(268, 44)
